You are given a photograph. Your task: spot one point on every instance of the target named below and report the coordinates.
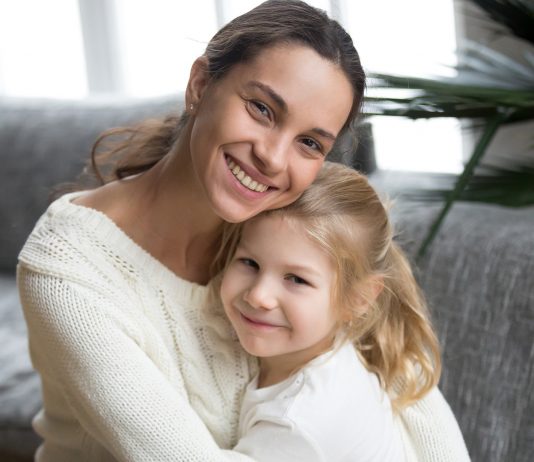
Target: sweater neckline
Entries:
(113, 236)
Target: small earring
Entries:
(191, 107)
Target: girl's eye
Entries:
(297, 280)
(249, 262)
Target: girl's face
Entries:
(277, 293)
(261, 133)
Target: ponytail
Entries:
(125, 151)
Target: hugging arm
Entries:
(93, 364)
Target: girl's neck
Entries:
(276, 369)
(271, 376)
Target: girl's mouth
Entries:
(258, 324)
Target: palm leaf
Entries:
(488, 86)
(496, 185)
(487, 82)
(517, 16)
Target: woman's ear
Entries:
(198, 82)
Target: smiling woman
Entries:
(113, 281)
(268, 118)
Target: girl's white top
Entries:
(333, 409)
(136, 365)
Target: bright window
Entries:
(42, 54)
(413, 37)
(41, 50)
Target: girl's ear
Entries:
(369, 291)
(198, 82)
(363, 296)
(375, 285)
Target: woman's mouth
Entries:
(244, 179)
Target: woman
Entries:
(134, 366)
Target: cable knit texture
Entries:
(136, 364)
(131, 357)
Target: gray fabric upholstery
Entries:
(20, 394)
(44, 143)
(478, 280)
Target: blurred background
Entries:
(76, 49)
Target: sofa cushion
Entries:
(477, 276)
(47, 142)
(20, 390)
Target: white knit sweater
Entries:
(136, 365)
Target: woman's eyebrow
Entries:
(269, 92)
(324, 133)
(283, 105)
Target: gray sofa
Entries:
(478, 277)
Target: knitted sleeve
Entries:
(430, 431)
(111, 386)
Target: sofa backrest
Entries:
(44, 143)
(477, 277)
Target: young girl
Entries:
(321, 293)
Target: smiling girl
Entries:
(348, 360)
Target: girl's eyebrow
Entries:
(309, 271)
(283, 105)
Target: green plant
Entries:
(489, 86)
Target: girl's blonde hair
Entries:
(392, 330)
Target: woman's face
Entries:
(261, 133)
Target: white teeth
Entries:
(244, 179)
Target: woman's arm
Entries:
(113, 388)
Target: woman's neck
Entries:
(163, 211)
(174, 221)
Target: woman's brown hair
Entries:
(122, 152)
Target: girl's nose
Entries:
(261, 295)
(272, 153)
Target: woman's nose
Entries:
(272, 153)
(261, 295)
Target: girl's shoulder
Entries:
(337, 403)
(342, 383)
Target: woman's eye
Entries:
(260, 108)
(249, 262)
(296, 279)
(312, 144)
